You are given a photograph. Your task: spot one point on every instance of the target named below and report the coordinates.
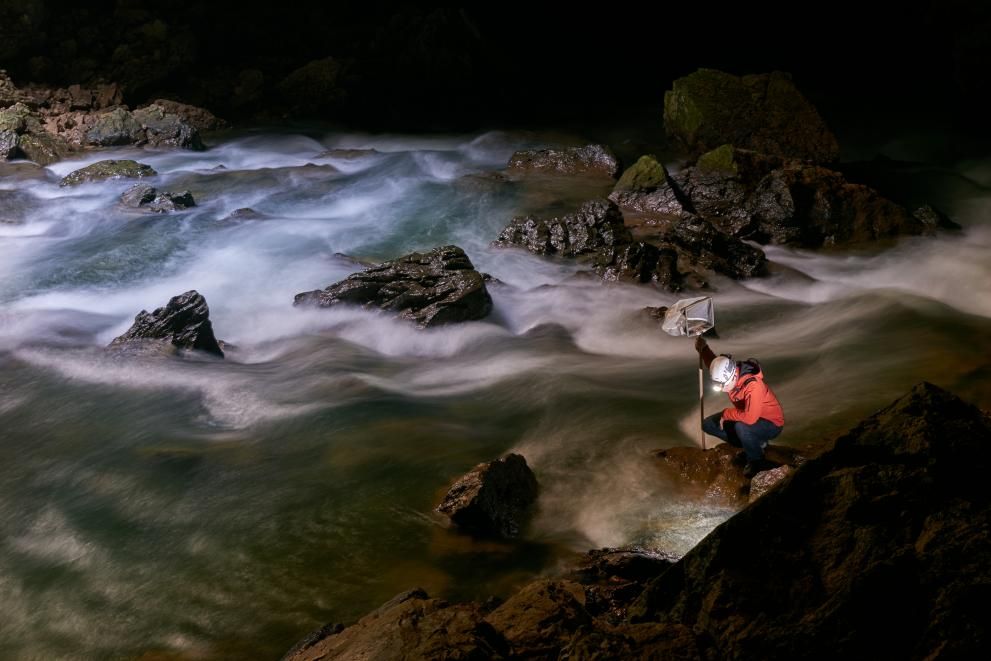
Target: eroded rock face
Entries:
(645, 186)
(110, 169)
(430, 289)
(763, 112)
(492, 499)
(184, 323)
(587, 160)
(883, 538)
(594, 225)
(714, 250)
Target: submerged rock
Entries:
(590, 159)
(596, 224)
(430, 289)
(184, 322)
(763, 112)
(110, 169)
(493, 498)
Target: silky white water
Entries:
(223, 508)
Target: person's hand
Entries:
(700, 343)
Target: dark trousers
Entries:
(752, 438)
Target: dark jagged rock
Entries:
(111, 169)
(493, 498)
(117, 127)
(596, 224)
(184, 323)
(614, 577)
(813, 206)
(590, 159)
(714, 250)
(168, 202)
(429, 289)
(640, 262)
(164, 129)
(138, 195)
(764, 112)
(409, 626)
(645, 186)
(879, 547)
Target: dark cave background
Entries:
(431, 69)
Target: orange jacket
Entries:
(751, 397)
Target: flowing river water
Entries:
(196, 508)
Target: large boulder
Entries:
(763, 112)
(492, 499)
(594, 225)
(640, 262)
(587, 160)
(110, 169)
(200, 119)
(878, 548)
(183, 323)
(813, 206)
(711, 249)
(165, 129)
(430, 289)
(117, 127)
(23, 136)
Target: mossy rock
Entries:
(721, 159)
(646, 174)
(763, 112)
(42, 148)
(103, 170)
(14, 118)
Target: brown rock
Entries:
(493, 498)
(587, 160)
(764, 481)
(541, 618)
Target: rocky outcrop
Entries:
(110, 169)
(641, 262)
(587, 160)
(164, 129)
(147, 198)
(883, 538)
(200, 119)
(117, 127)
(492, 499)
(594, 225)
(430, 289)
(183, 323)
(763, 112)
(23, 136)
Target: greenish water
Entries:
(191, 508)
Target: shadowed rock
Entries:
(763, 112)
(184, 323)
(884, 538)
(711, 249)
(596, 224)
(117, 127)
(590, 159)
(110, 169)
(640, 262)
(493, 498)
(429, 289)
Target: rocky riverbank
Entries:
(879, 547)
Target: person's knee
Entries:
(711, 425)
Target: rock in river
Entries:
(184, 323)
(493, 498)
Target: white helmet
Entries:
(723, 371)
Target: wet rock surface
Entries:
(429, 289)
(493, 499)
(147, 198)
(594, 225)
(183, 323)
(763, 112)
(110, 169)
(587, 160)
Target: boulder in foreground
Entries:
(184, 323)
(430, 288)
(110, 169)
(493, 498)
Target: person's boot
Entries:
(740, 458)
(755, 466)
